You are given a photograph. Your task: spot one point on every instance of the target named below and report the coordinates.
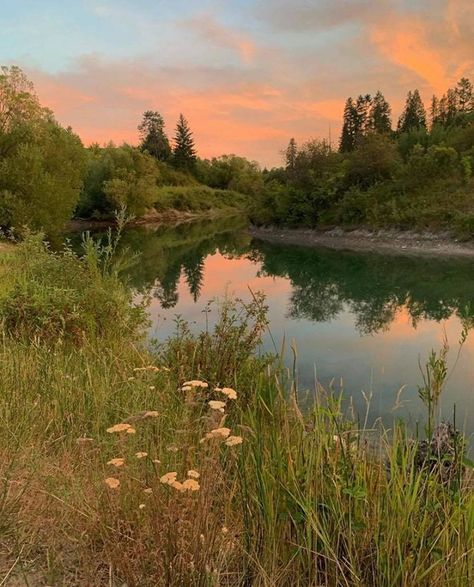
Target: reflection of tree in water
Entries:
(372, 287)
(168, 252)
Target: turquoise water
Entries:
(366, 320)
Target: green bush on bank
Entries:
(54, 296)
(197, 198)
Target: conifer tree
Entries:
(349, 127)
(465, 94)
(380, 120)
(291, 154)
(434, 111)
(184, 154)
(153, 137)
(413, 116)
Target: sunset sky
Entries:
(247, 74)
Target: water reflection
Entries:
(324, 283)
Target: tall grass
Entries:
(245, 490)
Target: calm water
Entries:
(365, 318)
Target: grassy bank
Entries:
(213, 475)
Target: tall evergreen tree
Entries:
(380, 114)
(152, 136)
(413, 116)
(184, 154)
(349, 127)
(363, 107)
(434, 111)
(465, 93)
(291, 154)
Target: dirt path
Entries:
(386, 241)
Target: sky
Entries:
(248, 74)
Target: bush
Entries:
(53, 296)
(196, 198)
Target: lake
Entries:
(364, 319)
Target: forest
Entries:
(416, 176)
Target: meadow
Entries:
(191, 461)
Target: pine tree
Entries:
(349, 127)
(413, 116)
(451, 106)
(363, 107)
(380, 120)
(184, 154)
(465, 93)
(153, 137)
(434, 111)
(291, 154)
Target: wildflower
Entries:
(227, 391)
(118, 462)
(152, 388)
(157, 462)
(141, 506)
(195, 383)
(131, 378)
(131, 430)
(217, 405)
(123, 427)
(177, 485)
(193, 474)
(191, 485)
(112, 482)
(217, 433)
(169, 478)
(172, 448)
(186, 388)
(151, 414)
(148, 491)
(225, 530)
(141, 455)
(151, 368)
(234, 440)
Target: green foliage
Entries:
(40, 176)
(230, 172)
(196, 198)
(119, 177)
(153, 139)
(62, 296)
(184, 152)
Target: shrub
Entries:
(53, 296)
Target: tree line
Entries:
(416, 175)
(47, 176)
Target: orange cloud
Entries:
(405, 43)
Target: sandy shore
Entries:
(386, 241)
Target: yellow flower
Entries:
(227, 391)
(119, 428)
(131, 430)
(118, 462)
(217, 433)
(157, 461)
(131, 378)
(225, 530)
(186, 388)
(141, 455)
(177, 485)
(141, 506)
(195, 383)
(112, 482)
(234, 440)
(217, 405)
(169, 478)
(193, 474)
(151, 414)
(152, 388)
(191, 485)
(151, 368)
(148, 491)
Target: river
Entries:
(363, 320)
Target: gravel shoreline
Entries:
(382, 241)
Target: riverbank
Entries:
(170, 217)
(387, 241)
